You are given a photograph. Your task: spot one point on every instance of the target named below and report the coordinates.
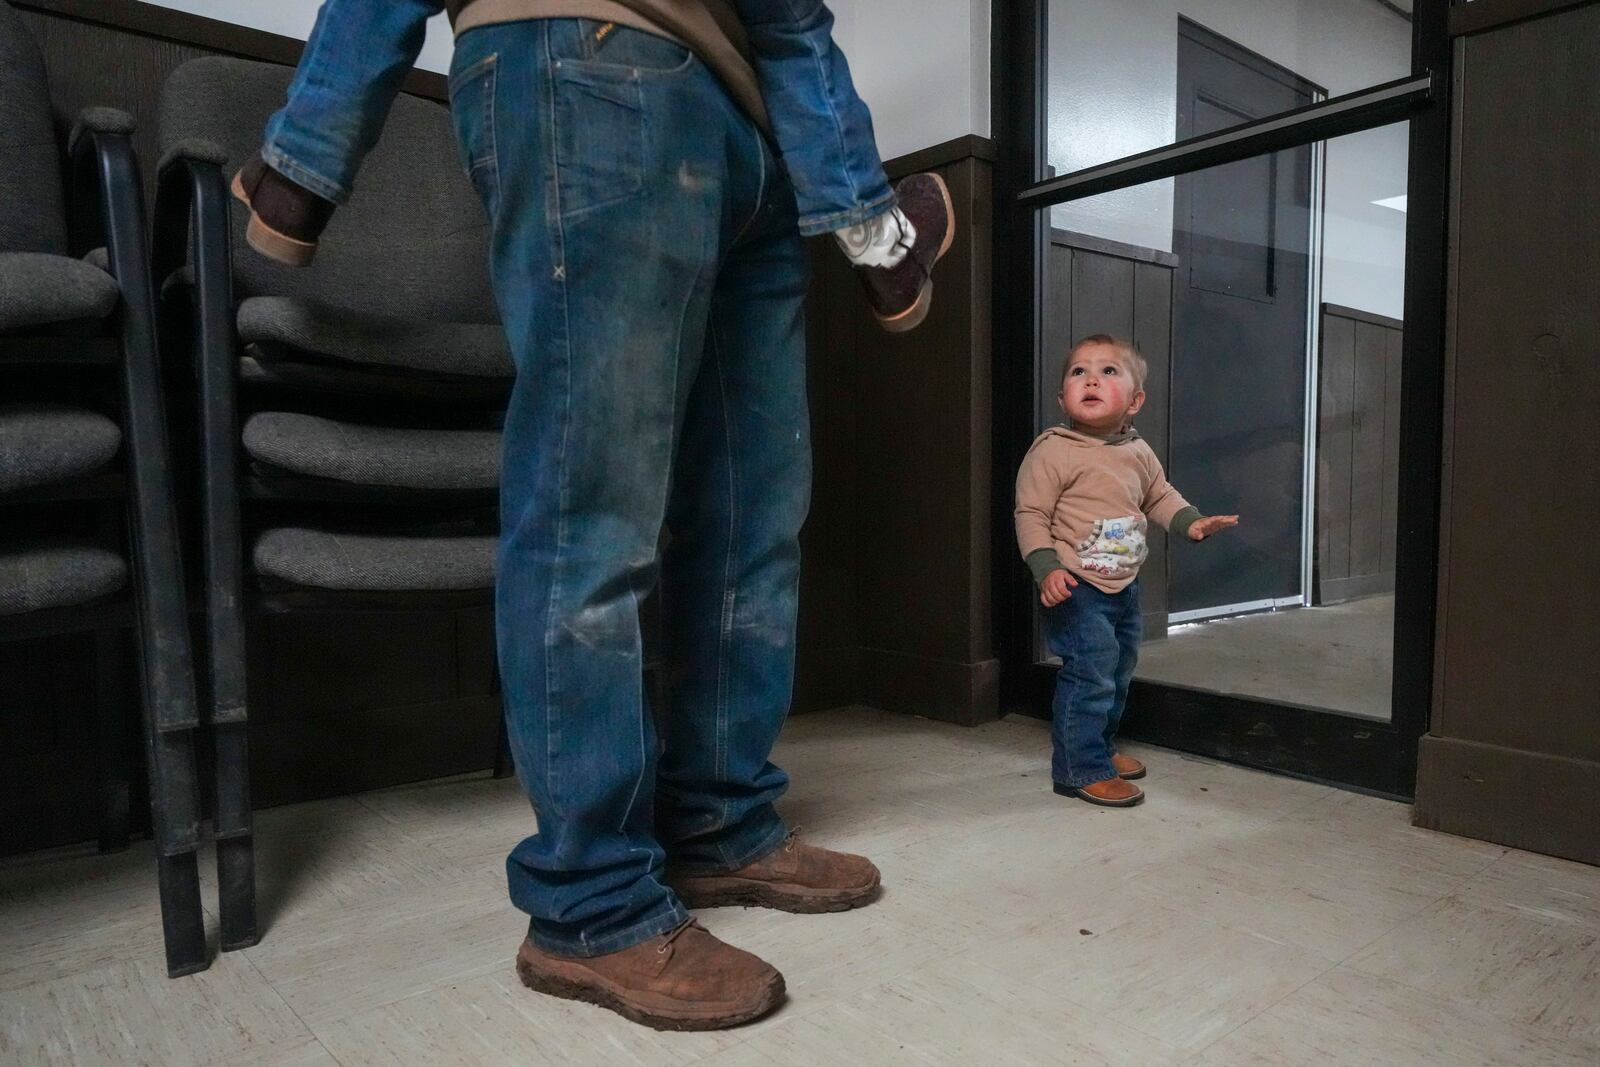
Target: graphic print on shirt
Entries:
(1114, 546)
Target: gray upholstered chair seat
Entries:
(362, 563)
(464, 348)
(45, 443)
(36, 288)
(33, 579)
(374, 455)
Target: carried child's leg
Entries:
(359, 53)
(1083, 631)
(824, 130)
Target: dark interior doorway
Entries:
(1242, 234)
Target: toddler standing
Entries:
(1086, 494)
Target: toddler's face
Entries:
(1099, 393)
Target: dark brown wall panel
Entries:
(922, 502)
(1358, 453)
(1519, 651)
(1334, 447)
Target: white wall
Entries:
(921, 65)
(294, 18)
(1113, 91)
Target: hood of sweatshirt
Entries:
(1089, 440)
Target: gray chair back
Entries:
(412, 241)
(32, 215)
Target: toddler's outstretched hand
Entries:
(1211, 524)
(1055, 588)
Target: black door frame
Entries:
(1366, 754)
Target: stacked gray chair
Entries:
(366, 391)
(82, 546)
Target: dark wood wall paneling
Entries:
(1513, 750)
(1358, 454)
(1093, 285)
(922, 456)
(895, 586)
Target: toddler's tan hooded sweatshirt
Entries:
(1085, 502)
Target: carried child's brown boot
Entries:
(1127, 767)
(1111, 793)
(901, 294)
(794, 877)
(285, 218)
(683, 980)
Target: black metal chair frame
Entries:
(108, 210)
(192, 232)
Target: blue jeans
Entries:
(1097, 636)
(646, 262)
(361, 50)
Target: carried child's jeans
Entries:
(1097, 636)
(361, 50)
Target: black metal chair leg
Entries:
(236, 862)
(173, 811)
(224, 555)
(115, 715)
(181, 919)
(103, 160)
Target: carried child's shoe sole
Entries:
(912, 317)
(1072, 791)
(269, 242)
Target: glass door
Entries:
(1228, 186)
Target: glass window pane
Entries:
(1126, 76)
(1266, 297)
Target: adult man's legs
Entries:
(730, 584)
(731, 587)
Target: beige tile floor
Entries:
(1235, 918)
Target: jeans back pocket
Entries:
(599, 114)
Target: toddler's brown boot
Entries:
(793, 877)
(683, 980)
(1111, 793)
(1127, 767)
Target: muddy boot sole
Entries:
(713, 892)
(686, 1018)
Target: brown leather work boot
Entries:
(683, 980)
(901, 295)
(1127, 767)
(285, 219)
(1111, 793)
(794, 877)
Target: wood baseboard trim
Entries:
(1529, 800)
(947, 690)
